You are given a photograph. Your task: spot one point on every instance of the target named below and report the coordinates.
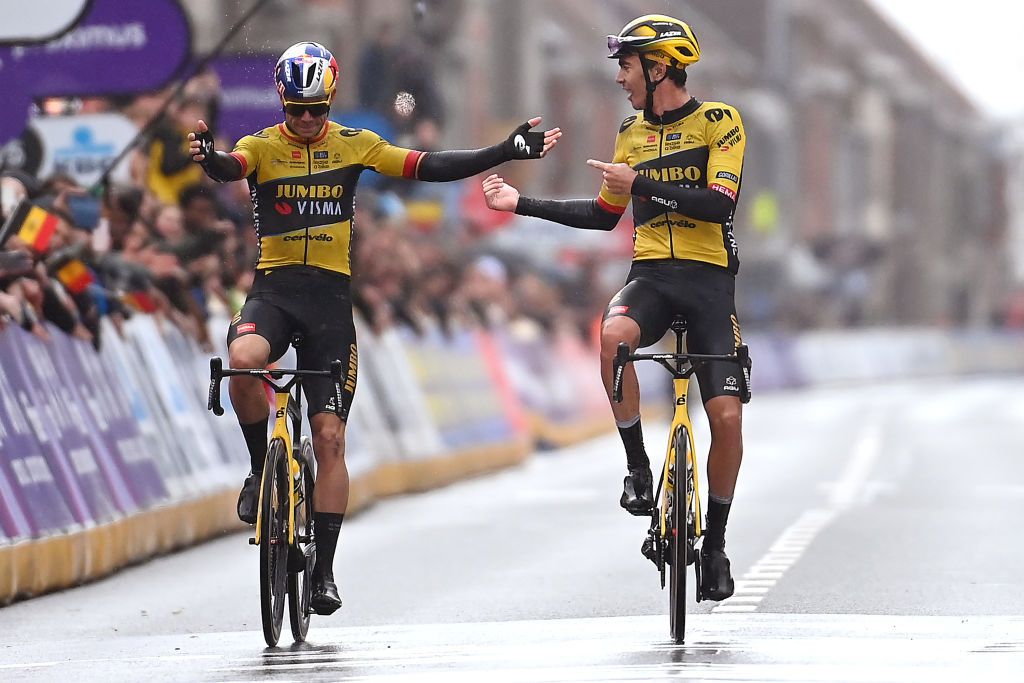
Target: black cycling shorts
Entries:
(657, 291)
(317, 305)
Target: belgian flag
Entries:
(75, 276)
(140, 300)
(34, 225)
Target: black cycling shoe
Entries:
(249, 498)
(715, 577)
(325, 599)
(638, 492)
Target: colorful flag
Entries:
(75, 276)
(140, 300)
(36, 227)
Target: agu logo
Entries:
(618, 310)
(296, 154)
(245, 328)
(283, 208)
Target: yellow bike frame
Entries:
(680, 417)
(282, 430)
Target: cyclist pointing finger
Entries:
(679, 161)
(302, 175)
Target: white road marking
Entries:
(738, 647)
(791, 544)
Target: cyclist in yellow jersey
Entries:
(302, 175)
(679, 161)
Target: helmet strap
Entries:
(645, 66)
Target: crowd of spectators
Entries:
(172, 243)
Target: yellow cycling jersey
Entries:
(303, 193)
(699, 145)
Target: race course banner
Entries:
(118, 48)
(36, 492)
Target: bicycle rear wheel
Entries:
(303, 553)
(274, 541)
(681, 533)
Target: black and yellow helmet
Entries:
(658, 38)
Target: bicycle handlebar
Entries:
(741, 356)
(217, 373)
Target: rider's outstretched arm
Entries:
(463, 163)
(588, 214)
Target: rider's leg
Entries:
(250, 404)
(638, 485)
(725, 418)
(333, 339)
(614, 331)
(247, 394)
(330, 497)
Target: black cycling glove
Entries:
(220, 166)
(524, 143)
(205, 140)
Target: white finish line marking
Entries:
(791, 544)
(737, 647)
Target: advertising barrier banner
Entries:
(194, 440)
(63, 433)
(112, 423)
(49, 501)
(457, 385)
(383, 358)
(80, 393)
(146, 412)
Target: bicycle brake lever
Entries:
(213, 400)
(743, 356)
(336, 378)
(618, 366)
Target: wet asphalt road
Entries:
(875, 536)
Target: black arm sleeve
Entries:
(701, 203)
(576, 213)
(222, 167)
(439, 167)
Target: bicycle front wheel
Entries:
(301, 572)
(681, 532)
(274, 541)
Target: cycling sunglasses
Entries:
(620, 45)
(315, 110)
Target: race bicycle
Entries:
(676, 524)
(284, 525)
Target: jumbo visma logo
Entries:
(673, 174)
(310, 200)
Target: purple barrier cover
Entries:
(61, 431)
(129, 470)
(13, 522)
(119, 47)
(36, 490)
